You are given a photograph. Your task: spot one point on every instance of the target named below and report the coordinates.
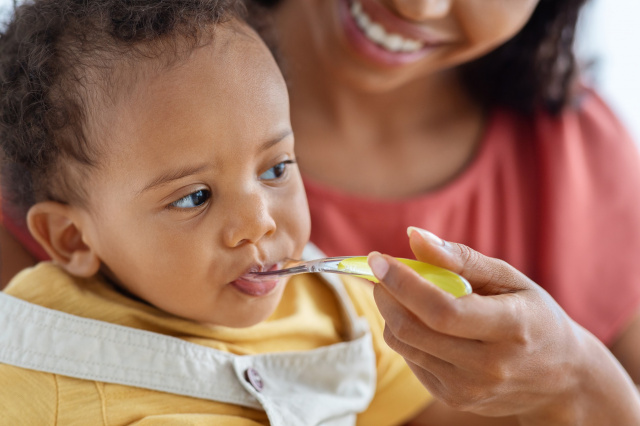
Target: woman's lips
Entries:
(380, 36)
(393, 24)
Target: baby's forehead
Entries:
(234, 70)
(117, 73)
(114, 80)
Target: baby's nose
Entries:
(249, 221)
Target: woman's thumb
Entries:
(485, 274)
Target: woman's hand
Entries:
(507, 349)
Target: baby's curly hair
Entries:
(57, 63)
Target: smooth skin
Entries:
(196, 186)
(508, 349)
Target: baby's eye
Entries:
(276, 171)
(193, 200)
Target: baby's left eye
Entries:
(193, 200)
(277, 171)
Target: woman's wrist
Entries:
(595, 390)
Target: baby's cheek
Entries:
(303, 219)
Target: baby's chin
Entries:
(252, 313)
(244, 322)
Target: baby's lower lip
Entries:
(255, 288)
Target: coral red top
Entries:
(558, 198)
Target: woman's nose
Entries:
(249, 221)
(422, 10)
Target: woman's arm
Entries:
(508, 349)
(13, 257)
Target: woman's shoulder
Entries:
(590, 112)
(586, 140)
(588, 119)
(589, 143)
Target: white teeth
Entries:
(376, 32)
(394, 43)
(363, 21)
(356, 8)
(411, 45)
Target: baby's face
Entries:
(198, 186)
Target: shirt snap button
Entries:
(253, 377)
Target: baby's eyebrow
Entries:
(180, 173)
(174, 175)
(271, 142)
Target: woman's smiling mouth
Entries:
(377, 34)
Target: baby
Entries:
(149, 147)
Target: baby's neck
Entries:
(106, 275)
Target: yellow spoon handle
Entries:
(443, 278)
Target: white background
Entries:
(610, 35)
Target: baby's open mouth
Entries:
(254, 286)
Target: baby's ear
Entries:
(56, 228)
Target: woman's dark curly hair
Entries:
(535, 69)
(58, 60)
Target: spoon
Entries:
(358, 266)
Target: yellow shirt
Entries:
(307, 318)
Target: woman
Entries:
(466, 118)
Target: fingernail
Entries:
(426, 235)
(379, 266)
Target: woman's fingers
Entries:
(404, 330)
(425, 360)
(486, 275)
(475, 317)
(493, 351)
